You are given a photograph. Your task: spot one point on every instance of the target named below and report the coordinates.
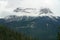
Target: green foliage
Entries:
(8, 34)
(58, 36)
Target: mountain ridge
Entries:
(43, 26)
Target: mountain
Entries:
(25, 10)
(8, 34)
(45, 10)
(44, 27)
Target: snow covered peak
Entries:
(40, 13)
(34, 11)
(45, 11)
(12, 18)
(25, 10)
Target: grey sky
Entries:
(6, 6)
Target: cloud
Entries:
(9, 5)
(13, 3)
(3, 4)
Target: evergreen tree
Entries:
(58, 37)
(8, 34)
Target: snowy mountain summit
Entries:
(25, 10)
(30, 10)
(34, 11)
(38, 13)
(43, 12)
(46, 12)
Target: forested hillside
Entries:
(8, 34)
(58, 33)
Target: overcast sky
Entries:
(6, 6)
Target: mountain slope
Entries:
(10, 34)
(43, 26)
